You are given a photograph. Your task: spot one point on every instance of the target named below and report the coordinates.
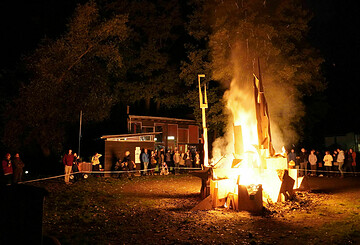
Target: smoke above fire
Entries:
(275, 32)
(283, 103)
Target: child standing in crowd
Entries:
(164, 169)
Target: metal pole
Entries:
(80, 133)
(203, 106)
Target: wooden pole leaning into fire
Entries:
(203, 106)
(262, 115)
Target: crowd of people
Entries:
(12, 169)
(162, 162)
(152, 162)
(315, 163)
(71, 163)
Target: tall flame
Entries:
(249, 161)
(241, 112)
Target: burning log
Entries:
(223, 194)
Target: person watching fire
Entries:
(313, 160)
(68, 160)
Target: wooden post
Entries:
(203, 106)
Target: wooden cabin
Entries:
(151, 133)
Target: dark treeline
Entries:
(105, 55)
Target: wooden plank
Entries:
(287, 187)
(251, 203)
(205, 204)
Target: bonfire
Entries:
(246, 172)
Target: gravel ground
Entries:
(156, 210)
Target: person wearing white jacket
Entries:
(328, 159)
(340, 160)
(312, 161)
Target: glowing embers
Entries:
(227, 187)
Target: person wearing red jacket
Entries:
(7, 169)
(68, 160)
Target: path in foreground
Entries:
(156, 210)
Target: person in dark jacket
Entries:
(303, 162)
(75, 167)
(145, 160)
(168, 160)
(130, 165)
(18, 168)
(157, 165)
(142, 165)
(7, 169)
(291, 156)
(188, 159)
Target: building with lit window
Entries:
(152, 133)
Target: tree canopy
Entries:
(75, 72)
(150, 52)
(231, 35)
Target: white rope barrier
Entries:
(103, 172)
(159, 169)
(47, 178)
(325, 171)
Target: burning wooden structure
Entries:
(253, 173)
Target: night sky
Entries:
(333, 31)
